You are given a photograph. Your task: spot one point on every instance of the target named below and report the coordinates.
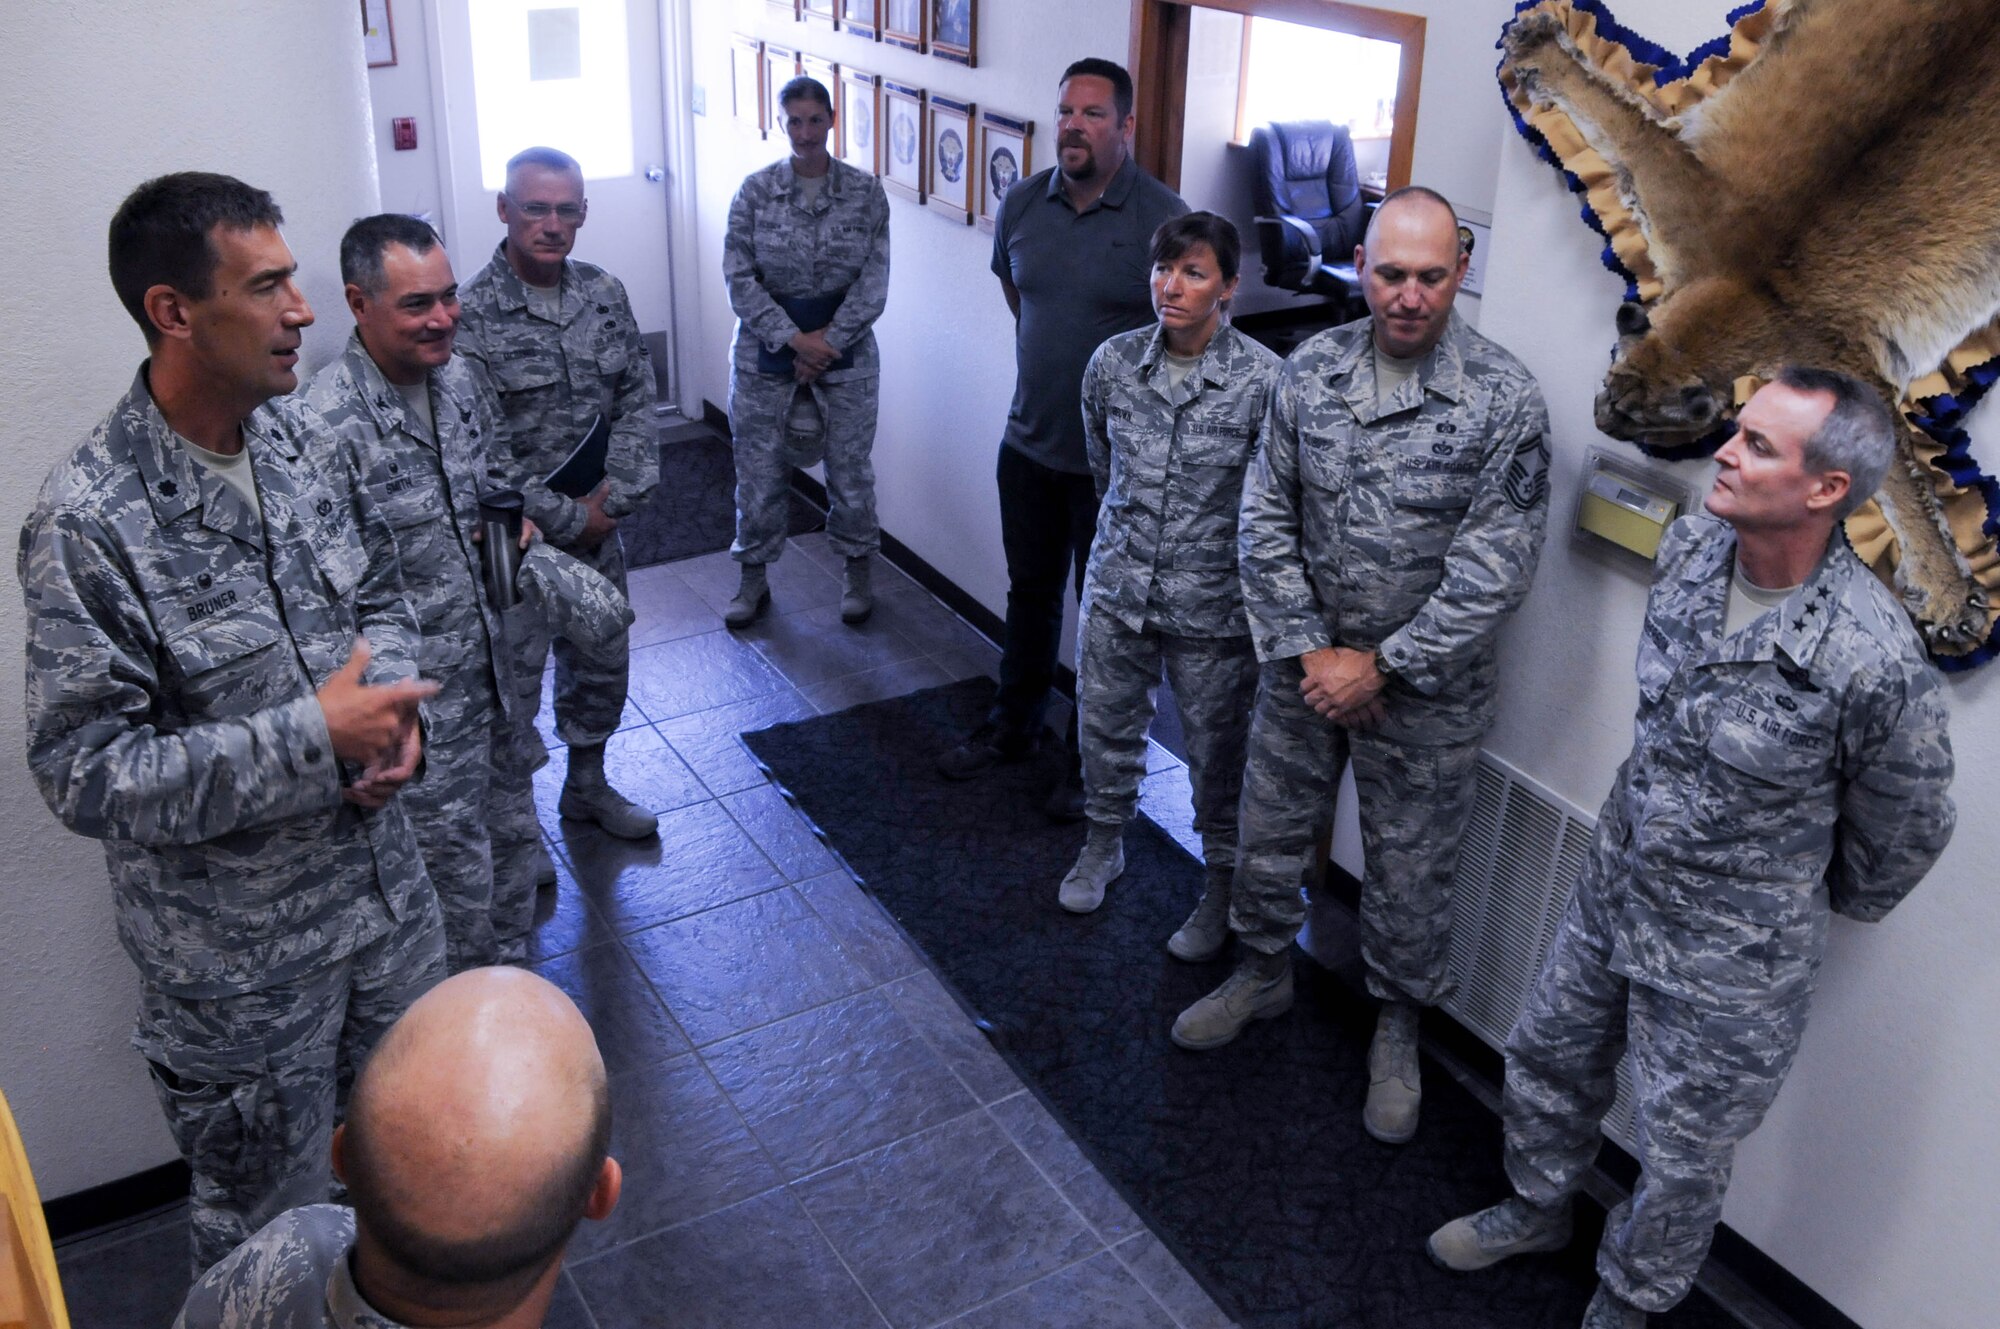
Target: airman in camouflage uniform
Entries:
(1161, 587)
(560, 354)
(474, 810)
(426, 472)
(470, 1131)
(198, 701)
(809, 228)
(1792, 768)
(1391, 534)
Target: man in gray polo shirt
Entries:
(1070, 251)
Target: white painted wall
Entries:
(410, 181)
(1875, 1177)
(98, 95)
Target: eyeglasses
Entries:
(567, 213)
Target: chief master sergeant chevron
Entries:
(1789, 758)
(1391, 522)
(221, 688)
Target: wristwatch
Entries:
(1382, 665)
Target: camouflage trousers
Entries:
(1703, 1079)
(450, 808)
(566, 601)
(757, 407)
(1413, 804)
(592, 669)
(252, 1083)
(1214, 681)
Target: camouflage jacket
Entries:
(1169, 467)
(1799, 763)
(554, 379)
(291, 1274)
(173, 652)
(1414, 529)
(428, 489)
(777, 246)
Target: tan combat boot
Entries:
(1395, 1091)
(1509, 1228)
(1101, 863)
(857, 590)
(1207, 928)
(753, 597)
(1260, 989)
(587, 796)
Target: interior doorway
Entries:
(1159, 58)
(588, 77)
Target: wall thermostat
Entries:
(1627, 504)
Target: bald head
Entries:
(477, 1131)
(1411, 266)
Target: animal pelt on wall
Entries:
(1819, 187)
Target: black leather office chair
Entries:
(1310, 213)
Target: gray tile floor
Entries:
(813, 1133)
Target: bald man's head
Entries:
(477, 1133)
(1411, 266)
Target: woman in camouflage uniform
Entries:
(806, 259)
(1171, 418)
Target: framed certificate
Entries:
(948, 145)
(904, 22)
(955, 29)
(1004, 143)
(746, 81)
(903, 140)
(781, 66)
(858, 115)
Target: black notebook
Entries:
(812, 313)
(583, 470)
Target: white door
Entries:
(584, 77)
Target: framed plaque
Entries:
(948, 146)
(1004, 144)
(902, 128)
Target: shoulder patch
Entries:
(1527, 480)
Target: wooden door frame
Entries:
(1158, 57)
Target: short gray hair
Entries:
(1858, 435)
(552, 159)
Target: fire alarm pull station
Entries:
(404, 128)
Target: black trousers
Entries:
(1047, 518)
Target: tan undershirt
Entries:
(1747, 600)
(233, 471)
(1390, 374)
(417, 403)
(545, 300)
